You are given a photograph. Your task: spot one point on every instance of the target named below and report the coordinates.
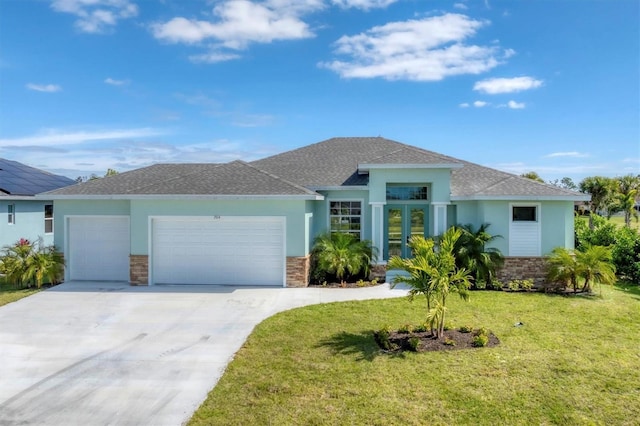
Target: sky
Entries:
(545, 86)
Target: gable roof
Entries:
(17, 179)
(235, 179)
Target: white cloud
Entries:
(114, 82)
(480, 104)
(96, 16)
(363, 4)
(460, 6)
(126, 155)
(57, 137)
(428, 49)
(213, 57)
(48, 88)
(572, 154)
(239, 23)
(464, 105)
(493, 86)
(516, 105)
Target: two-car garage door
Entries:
(226, 250)
(218, 250)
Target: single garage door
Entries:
(98, 248)
(223, 250)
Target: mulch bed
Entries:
(430, 343)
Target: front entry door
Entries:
(402, 221)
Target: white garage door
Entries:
(98, 248)
(218, 250)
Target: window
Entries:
(11, 213)
(48, 218)
(398, 192)
(524, 214)
(346, 216)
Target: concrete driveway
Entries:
(111, 354)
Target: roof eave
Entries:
(520, 198)
(365, 167)
(312, 197)
(340, 188)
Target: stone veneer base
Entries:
(297, 270)
(523, 268)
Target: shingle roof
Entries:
(334, 162)
(235, 178)
(21, 180)
(330, 163)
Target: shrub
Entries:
(421, 328)
(626, 254)
(465, 329)
(449, 342)
(516, 285)
(382, 338)
(414, 342)
(481, 340)
(342, 256)
(26, 264)
(481, 331)
(405, 329)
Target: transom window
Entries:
(524, 214)
(346, 216)
(48, 218)
(11, 214)
(406, 192)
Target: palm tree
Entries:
(563, 267)
(343, 254)
(600, 188)
(433, 272)
(14, 262)
(625, 198)
(43, 265)
(596, 264)
(590, 263)
(472, 253)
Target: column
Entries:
(377, 228)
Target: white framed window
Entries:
(525, 229)
(346, 216)
(48, 218)
(524, 213)
(11, 214)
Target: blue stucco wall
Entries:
(29, 222)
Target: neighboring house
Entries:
(21, 214)
(254, 223)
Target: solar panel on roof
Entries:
(20, 179)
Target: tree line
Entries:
(608, 195)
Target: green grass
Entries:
(10, 294)
(618, 220)
(576, 360)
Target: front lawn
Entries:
(574, 360)
(9, 293)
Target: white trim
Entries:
(377, 227)
(538, 223)
(339, 188)
(520, 198)
(364, 167)
(362, 215)
(228, 218)
(67, 253)
(11, 215)
(313, 197)
(438, 209)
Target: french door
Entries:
(403, 221)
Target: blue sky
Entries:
(552, 87)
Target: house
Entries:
(254, 223)
(26, 216)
